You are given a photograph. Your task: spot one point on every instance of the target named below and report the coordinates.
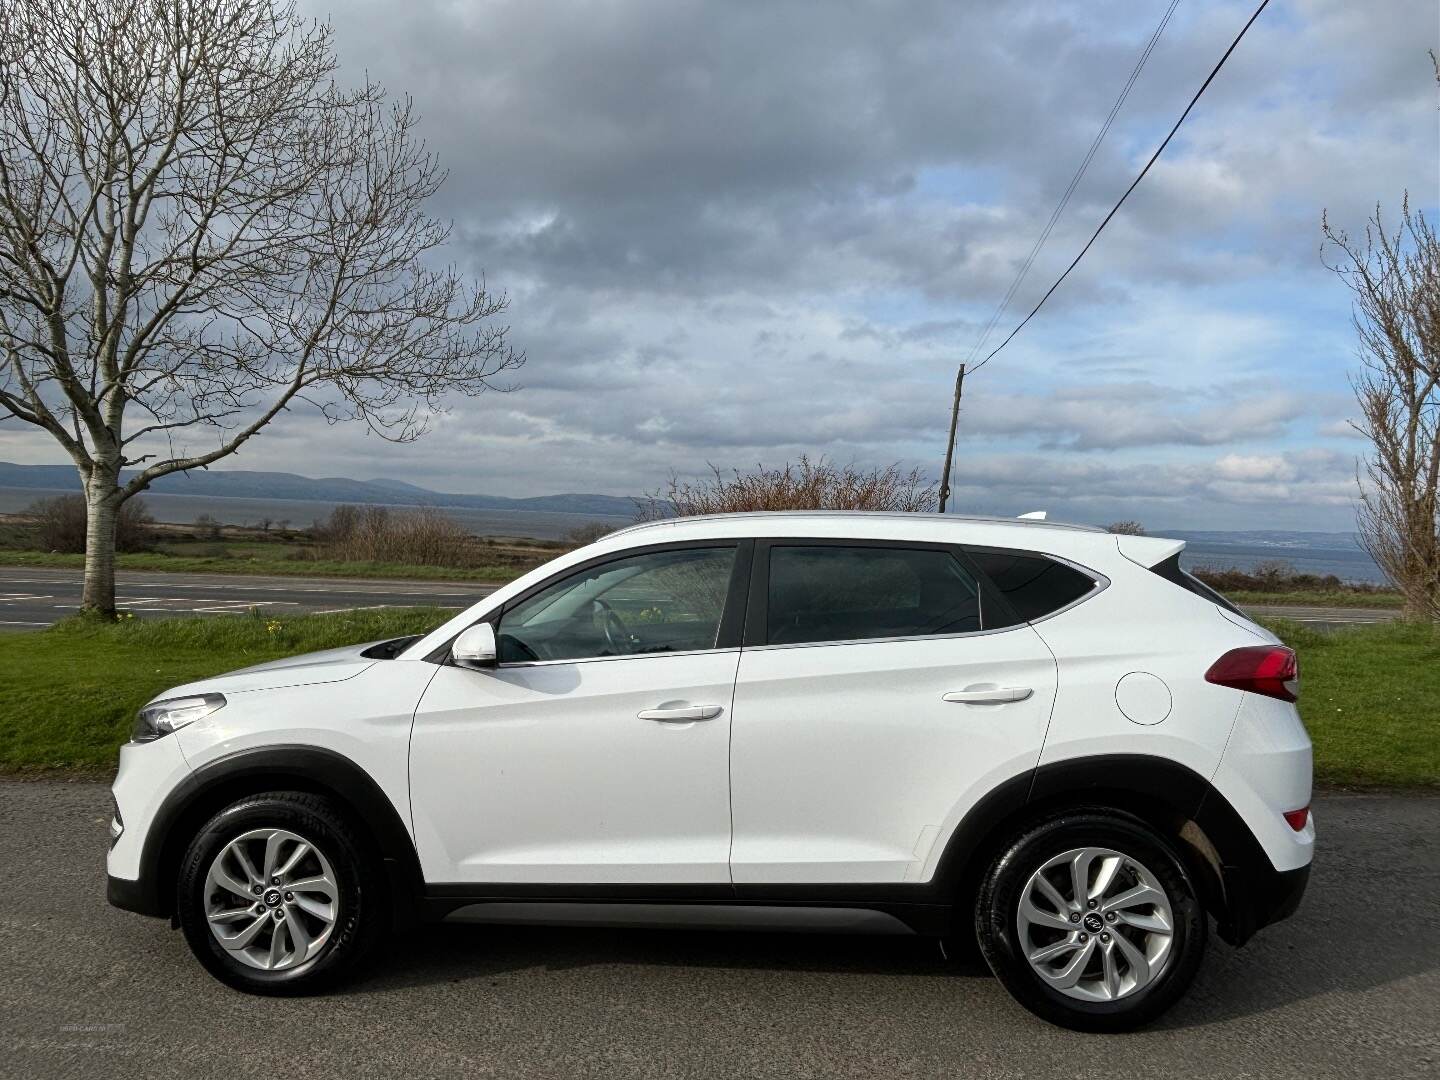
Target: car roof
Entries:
(838, 522)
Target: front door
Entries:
(597, 750)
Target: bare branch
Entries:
(1394, 276)
(199, 223)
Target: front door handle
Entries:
(994, 695)
(683, 715)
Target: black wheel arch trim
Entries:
(217, 783)
(1239, 884)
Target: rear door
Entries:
(873, 706)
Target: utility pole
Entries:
(950, 446)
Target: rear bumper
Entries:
(1258, 896)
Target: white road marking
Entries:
(21, 622)
(228, 606)
(301, 586)
(10, 598)
(338, 610)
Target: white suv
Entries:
(1043, 735)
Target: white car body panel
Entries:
(1266, 771)
(544, 772)
(148, 772)
(365, 718)
(847, 764)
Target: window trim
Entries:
(1100, 581)
(732, 614)
(758, 608)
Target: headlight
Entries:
(163, 717)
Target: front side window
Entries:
(836, 593)
(657, 602)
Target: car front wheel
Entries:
(1091, 921)
(277, 894)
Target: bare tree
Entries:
(1394, 276)
(808, 485)
(1126, 528)
(199, 229)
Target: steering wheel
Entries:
(617, 634)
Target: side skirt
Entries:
(824, 909)
(794, 918)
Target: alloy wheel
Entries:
(1095, 924)
(271, 899)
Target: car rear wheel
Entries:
(1091, 921)
(277, 894)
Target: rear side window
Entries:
(1033, 585)
(836, 593)
(1170, 570)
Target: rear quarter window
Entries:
(1170, 570)
(1033, 585)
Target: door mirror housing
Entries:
(475, 647)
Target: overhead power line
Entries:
(1133, 185)
(1019, 279)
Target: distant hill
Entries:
(242, 484)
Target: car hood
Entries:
(328, 665)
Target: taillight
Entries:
(1261, 669)
(1298, 819)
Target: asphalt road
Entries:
(1329, 618)
(1350, 987)
(33, 598)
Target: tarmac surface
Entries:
(1349, 987)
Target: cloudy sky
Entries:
(733, 232)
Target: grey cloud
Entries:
(738, 231)
(688, 146)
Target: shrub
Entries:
(587, 533)
(423, 536)
(1276, 576)
(60, 524)
(808, 485)
(207, 527)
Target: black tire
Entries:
(362, 902)
(997, 907)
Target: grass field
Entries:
(243, 563)
(1370, 695)
(68, 694)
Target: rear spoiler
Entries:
(1148, 551)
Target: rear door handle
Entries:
(995, 695)
(684, 715)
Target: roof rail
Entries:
(987, 519)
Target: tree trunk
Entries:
(102, 502)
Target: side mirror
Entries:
(475, 647)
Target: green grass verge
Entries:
(1370, 695)
(1317, 598)
(1370, 698)
(68, 694)
(228, 564)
